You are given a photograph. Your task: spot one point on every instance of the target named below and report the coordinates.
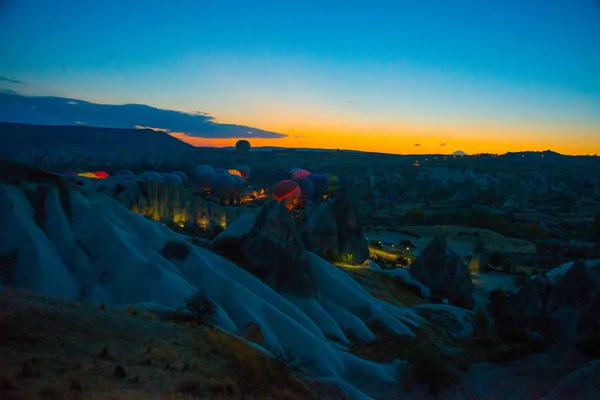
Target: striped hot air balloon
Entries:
(288, 192)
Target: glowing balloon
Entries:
(288, 192)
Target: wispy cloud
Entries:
(443, 144)
(13, 81)
(418, 144)
(8, 91)
(63, 111)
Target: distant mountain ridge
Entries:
(17, 137)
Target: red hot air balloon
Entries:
(244, 170)
(300, 173)
(101, 174)
(288, 192)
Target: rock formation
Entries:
(442, 271)
(167, 202)
(275, 253)
(333, 230)
(583, 383)
(568, 309)
(528, 304)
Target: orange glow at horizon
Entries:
(405, 144)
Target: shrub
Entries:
(415, 216)
(482, 326)
(175, 250)
(375, 244)
(496, 259)
(8, 263)
(406, 243)
(430, 368)
(520, 279)
(591, 347)
(596, 225)
(214, 231)
(119, 372)
(498, 306)
(347, 258)
(202, 308)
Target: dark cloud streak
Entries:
(64, 111)
(13, 81)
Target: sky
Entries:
(403, 76)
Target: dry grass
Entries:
(52, 350)
(384, 287)
(389, 346)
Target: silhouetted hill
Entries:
(22, 137)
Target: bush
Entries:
(496, 259)
(406, 243)
(498, 306)
(175, 250)
(596, 225)
(430, 368)
(214, 231)
(482, 326)
(8, 263)
(415, 216)
(202, 308)
(375, 244)
(521, 279)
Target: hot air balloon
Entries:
(201, 168)
(235, 172)
(300, 173)
(242, 147)
(245, 171)
(239, 184)
(151, 176)
(288, 192)
(320, 183)
(294, 170)
(182, 175)
(333, 184)
(205, 179)
(223, 186)
(222, 171)
(307, 187)
(172, 178)
(93, 175)
(101, 174)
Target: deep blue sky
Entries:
(473, 72)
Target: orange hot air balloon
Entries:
(235, 172)
(87, 175)
(288, 192)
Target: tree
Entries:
(496, 259)
(596, 225)
(415, 216)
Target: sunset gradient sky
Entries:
(391, 76)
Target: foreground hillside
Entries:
(61, 240)
(56, 349)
